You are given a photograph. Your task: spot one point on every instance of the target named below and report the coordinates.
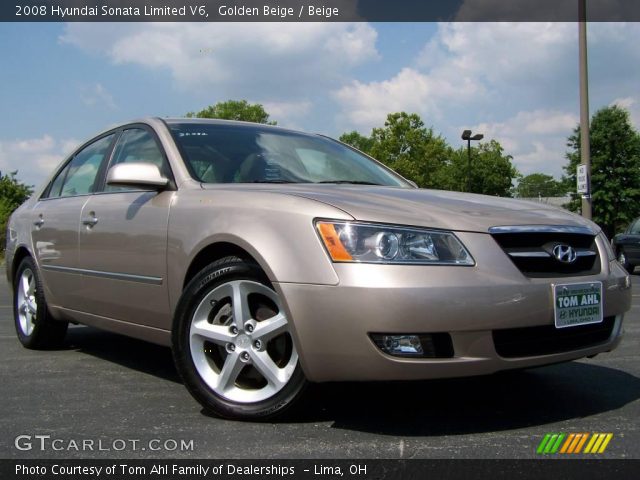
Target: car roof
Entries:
(231, 123)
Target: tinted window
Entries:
(137, 145)
(243, 154)
(635, 228)
(83, 169)
(56, 186)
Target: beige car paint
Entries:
(332, 307)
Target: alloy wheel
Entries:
(26, 302)
(240, 342)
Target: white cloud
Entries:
(516, 81)
(468, 65)
(633, 106)
(288, 113)
(367, 104)
(34, 158)
(266, 61)
(97, 95)
(536, 139)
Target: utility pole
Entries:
(585, 146)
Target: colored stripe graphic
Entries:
(543, 443)
(607, 439)
(550, 443)
(565, 447)
(581, 443)
(556, 446)
(592, 441)
(573, 443)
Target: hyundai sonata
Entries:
(267, 259)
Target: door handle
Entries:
(91, 221)
(39, 222)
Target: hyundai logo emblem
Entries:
(564, 253)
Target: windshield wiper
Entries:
(352, 182)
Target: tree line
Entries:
(414, 150)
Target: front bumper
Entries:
(331, 324)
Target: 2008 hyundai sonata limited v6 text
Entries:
(268, 258)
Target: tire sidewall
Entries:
(208, 279)
(41, 315)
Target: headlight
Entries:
(371, 243)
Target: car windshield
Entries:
(219, 153)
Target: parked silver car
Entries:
(268, 258)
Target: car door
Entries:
(56, 220)
(632, 243)
(123, 241)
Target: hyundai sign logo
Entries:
(564, 253)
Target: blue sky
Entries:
(516, 83)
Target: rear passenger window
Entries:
(56, 186)
(79, 176)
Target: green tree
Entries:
(414, 151)
(540, 184)
(235, 110)
(356, 140)
(615, 168)
(492, 172)
(411, 149)
(12, 194)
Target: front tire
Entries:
(35, 326)
(232, 343)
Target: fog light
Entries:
(404, 345)
(423, 345)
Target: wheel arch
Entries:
(215, 251)
(20, 254)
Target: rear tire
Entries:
(232, 343)
(35, 326)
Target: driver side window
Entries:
(137, 145)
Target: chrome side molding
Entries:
(127, 277)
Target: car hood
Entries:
(431, 208)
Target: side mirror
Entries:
(143, 175)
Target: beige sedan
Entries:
(268, 258)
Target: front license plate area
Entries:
(577, 304)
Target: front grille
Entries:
(532, 251)
(547, 339)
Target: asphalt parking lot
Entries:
(112, 389)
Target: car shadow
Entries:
(128, 352)
(504, 401)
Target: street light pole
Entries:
(468, 164)
(585, 146)
(466, 135)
